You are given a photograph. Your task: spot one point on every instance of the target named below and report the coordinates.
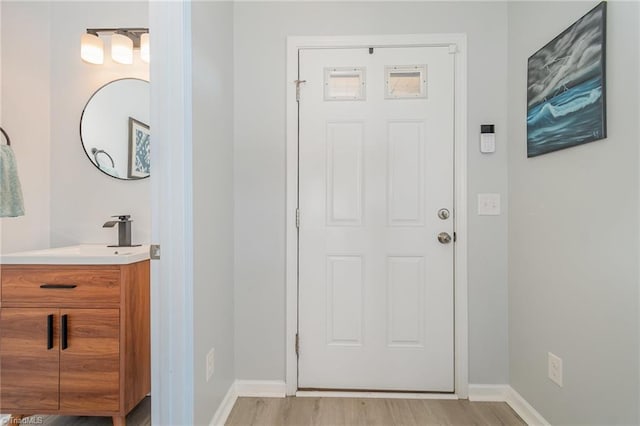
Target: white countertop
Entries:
(84, 254)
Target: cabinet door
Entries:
(29, 356)
(90, 363)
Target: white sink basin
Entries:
(85, 254)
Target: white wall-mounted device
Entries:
(487, 138)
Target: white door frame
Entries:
(458, 45)
(171, 214)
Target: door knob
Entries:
(444, 238)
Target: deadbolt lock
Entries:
(443, 214)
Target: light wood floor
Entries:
(368, 412)
(334, 412)
(140, 416)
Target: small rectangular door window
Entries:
(344, 84)
(405, 81)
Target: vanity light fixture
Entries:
(123, 42)
(144, 47)
(92, 49)
(121, 49)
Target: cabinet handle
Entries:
(63, 332)
(59, 286)
(50, 331)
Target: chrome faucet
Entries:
(124, 230)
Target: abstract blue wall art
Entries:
(139, 149)
(566, 103)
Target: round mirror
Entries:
(114, 129)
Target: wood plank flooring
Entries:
(368, 412)
(334, 412)
(139, 416)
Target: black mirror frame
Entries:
(82, 141)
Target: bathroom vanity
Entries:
(75, 331)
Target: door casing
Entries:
(458, 46)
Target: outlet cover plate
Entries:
(555, 368)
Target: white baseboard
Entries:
(277, 389)
(505, 393)
(261, 388)
(524, 409)
(386, 395)
(488, 392)
(223, 411)
(250, 388)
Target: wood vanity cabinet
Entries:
(74, 339)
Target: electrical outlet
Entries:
(210, 363)
(555, 368)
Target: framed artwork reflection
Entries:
(139, 149)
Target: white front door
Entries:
(376, 138)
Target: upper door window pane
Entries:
(344, 84)
(405, 81)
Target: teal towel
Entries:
(11, 202)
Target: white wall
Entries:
(212, 52)
(45, 86)
(573, 235)
(260, 31)
(24, 35)
(82, 197)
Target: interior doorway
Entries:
(376, 293)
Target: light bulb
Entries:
(91, 49)
(122, 49)
(144, 47)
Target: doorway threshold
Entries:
(374, 394)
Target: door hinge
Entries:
(297, 218)
(297, 344)
(298, 83)
(455, 237)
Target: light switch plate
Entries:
(488, 204)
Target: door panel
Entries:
(405, 301)
(344, 173)
(28, 368)
(375, 285)
(405, 177)
(89, 366)
(345, 300)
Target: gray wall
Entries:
(25, 84)
(573, 236)
(260, 31)
(212, 44)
